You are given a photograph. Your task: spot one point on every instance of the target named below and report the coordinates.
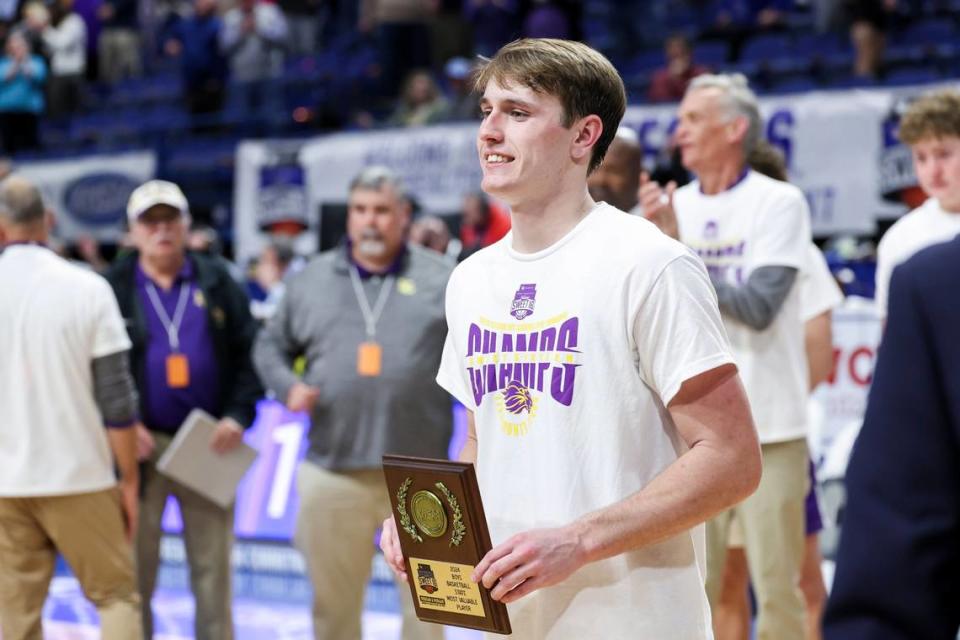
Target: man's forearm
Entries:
(123, 444)
(699, 485)
(721, 468)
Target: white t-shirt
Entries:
(55, 319)
(568, 357)
(759, 222)
(819, 291)
(926, 225)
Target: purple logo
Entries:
(710, 230)
(523, 301)
(517, 398)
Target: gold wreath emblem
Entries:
(405, 523)
(459, 529)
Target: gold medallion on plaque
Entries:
(428, 513)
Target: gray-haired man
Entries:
(368, 317)
(753, 233)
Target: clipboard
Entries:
(190, 461)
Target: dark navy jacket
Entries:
(898, 564)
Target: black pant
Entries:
(18, 129)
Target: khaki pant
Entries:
(208, 538)
(339, 515)
(772, 520)
(88, 530)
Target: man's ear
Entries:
(737, 129)
(50, 220)
(588, 129)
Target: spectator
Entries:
(896, 576)
(192, 332)
(670, 82)
(203, 68)
(482, 223)
(546, 20)
(118, 48)
(61, 386)
(304, 19)
(403, 38)
(368, 386)
(869, 21)
(464, 102)
(931, 126)
(753, 233)
(421, 102)
(737, 20)
(430, 232)
(88, 250)
(617, 178)
(495, 23)
(64, 38)
(21, 95)
(272, 268)
(253, 38)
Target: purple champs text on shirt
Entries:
(165, 408)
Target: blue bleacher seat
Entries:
(928, 32)
(711, 54)
(766, 46)
(912, 75)
(794, 84)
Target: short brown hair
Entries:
(768, 160)
(582, 80)
(934, 115)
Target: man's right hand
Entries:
(302, 397)
(145, 442)
(390, 545)
(656, 203)
(130, 505)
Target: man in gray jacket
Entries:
(368, 317)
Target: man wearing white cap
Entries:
(191, 330)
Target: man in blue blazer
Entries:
(898, 565)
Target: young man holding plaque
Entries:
(367, 317)
(607, 419)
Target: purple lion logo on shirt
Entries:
(524, 301)
(517, 398)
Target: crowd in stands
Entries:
(258, 67)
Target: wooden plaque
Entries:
(443, 535)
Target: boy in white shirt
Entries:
(931, 126)
(606, 417)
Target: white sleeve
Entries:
(819, 292)
(109, 335)
(783, 233)
(453, 375)
(885, 264)
(677, 328)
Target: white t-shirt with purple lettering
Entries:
(758, 222)
(568, 357)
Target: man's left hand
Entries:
(529, 561)
(227, 436)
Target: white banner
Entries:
(840, 148)
(89, 195)
(837, 405)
